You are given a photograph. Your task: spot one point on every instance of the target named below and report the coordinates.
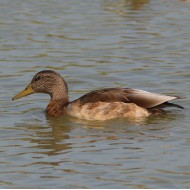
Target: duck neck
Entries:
(57, 107)
(59, 100)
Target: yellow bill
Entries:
(27, 91)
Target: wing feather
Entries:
(128, 95)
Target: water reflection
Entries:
(50, 138)
(56, 136)
(59, 135)
(75, 147)
(122, 6)
(136, 4)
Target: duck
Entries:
(101, 104)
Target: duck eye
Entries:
(37, 78)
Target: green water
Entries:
(142, 44)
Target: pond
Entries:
(93, 44)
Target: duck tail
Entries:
(173, 105)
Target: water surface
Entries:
(93, 44)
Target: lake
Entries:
(94, 44)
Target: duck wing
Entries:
(150, 100)
(128, 95)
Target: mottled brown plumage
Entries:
(101, 104)
(56, 108)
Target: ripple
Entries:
(136, 43)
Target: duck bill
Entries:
(27, 91)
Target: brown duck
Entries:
(101, 104)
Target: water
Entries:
(97, 43)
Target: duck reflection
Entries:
(58, 135)
(53, 136)
(50, 137)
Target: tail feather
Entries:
(168, 104)
(173, 105)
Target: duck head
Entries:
(48, 82)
